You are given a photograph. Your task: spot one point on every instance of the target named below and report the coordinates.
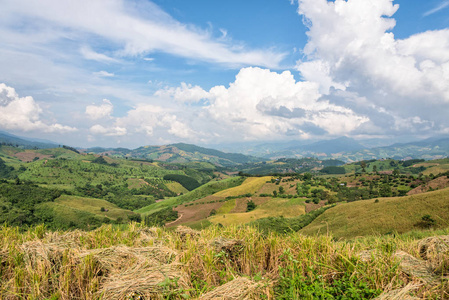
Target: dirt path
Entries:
(169, 223)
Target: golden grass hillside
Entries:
(250, 185)
(271, 207)
(388, 215)
(217, 263)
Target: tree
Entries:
(281, 190)
(250, 205)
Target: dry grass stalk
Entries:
(415, 268)
(184, 231)
(148, 282)
(230, 246)
(400, 294)
(122, 257)
(435, 250)
(241, 288)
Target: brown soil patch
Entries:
(29, 156)
(312, 206)
(438, 183)
(136, 183)
(240, 203)
(197, 212)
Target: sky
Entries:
(127, 73)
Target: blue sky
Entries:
(132, 73)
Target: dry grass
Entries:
(272, 207)
(216, 263)
(389, 215)
(250, 185)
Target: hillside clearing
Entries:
(266, 207)
(388, 215)
(250, 186)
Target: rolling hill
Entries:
(179, 153)
(25, 143)
(387, 215)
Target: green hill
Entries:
(387, 215)
(86, 213)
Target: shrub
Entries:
(250, 205)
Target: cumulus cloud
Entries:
(107, 131)
(23, 113)
(96, 112)
(351, 48)
(184, 93)
(265, 104)
(138, 27)
(148, 119)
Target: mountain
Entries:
(178, 153)
(432, 148)
(342, 144)
(23, 142)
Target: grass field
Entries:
(94, 206)
(271, 207)
(388, 215)
(176, 187)
(201, 192)
(251, 185)
(133, 261)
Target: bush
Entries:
(250, 205)
(188, 182)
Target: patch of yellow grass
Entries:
(227, 207)
(272, 208)
(176, 187)
(250, 185)
(400, 214)
(436, 169)
(93, 206)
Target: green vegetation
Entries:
(285, 225)
(203, 191)
(160, 217)
(18, 203)
(388, 215)
(188, 182)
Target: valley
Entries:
(259, 205)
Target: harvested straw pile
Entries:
(435, 250)
(121, 257)
(149, 282)
(184, 232)
(147, 271)
(229, 246)
(240, 288)
(415, 268)
(41, 255)
(400, 294)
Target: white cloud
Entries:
(23, 113)
(89, 54)
(265, 104)
(155, 120)
(103, 74)
(184, 93)
(351, 48)
(441, 6)
(136, 28)
(107, 131)
(96, 112)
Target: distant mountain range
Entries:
(26, 143)
(343, 148)
(179, 153)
